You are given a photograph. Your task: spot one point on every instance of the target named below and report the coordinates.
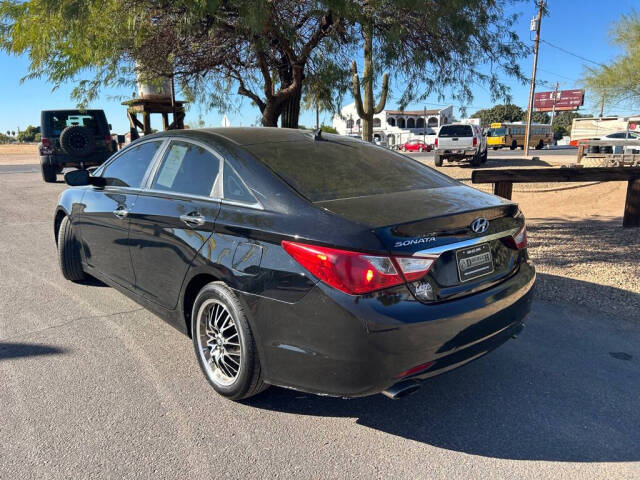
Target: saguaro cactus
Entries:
(365, 109)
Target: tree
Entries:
(538, 117)
(28, 134)
(260, 48)
(619, 80)
(4, 138)
(562, 123)
(499, 114)
(439, 47)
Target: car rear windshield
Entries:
(456, 131)
(342, 168)
(55, 122)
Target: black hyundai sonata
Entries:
(310, 261)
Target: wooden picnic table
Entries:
(503, 180)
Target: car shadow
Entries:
(566, 390)
(10, 350)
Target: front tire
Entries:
(514, 145)
(437, 159)
(69, 252)
(224, 344)
(485, 154)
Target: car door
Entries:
(103, 220)
(173, 218)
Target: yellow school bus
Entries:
(512, 135)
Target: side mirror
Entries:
(79, 178)
(110, 127)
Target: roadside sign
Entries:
(563, 99)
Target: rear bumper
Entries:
(63, 161)
(459, 153)
(336, 344)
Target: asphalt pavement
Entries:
(95, 386)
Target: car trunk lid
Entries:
(437, 222)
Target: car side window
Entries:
(129, 168)
(187, 168)
(234, 188)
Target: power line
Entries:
(558, 75)
(572, 54)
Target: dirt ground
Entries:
(18, 154)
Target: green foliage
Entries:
(29, 134)
(619, 80)
(538, 117)
(5, 138)
(328, 129)
(499, 113)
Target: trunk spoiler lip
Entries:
(440, 249)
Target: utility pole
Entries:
(555, 99)
(532, 88)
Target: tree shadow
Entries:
(515, 161)
(10, 350)
(566, 390)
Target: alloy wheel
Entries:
(219, 343)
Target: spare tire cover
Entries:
(77, 141)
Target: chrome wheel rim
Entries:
(218, 342)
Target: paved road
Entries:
(95, 386)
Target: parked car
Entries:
(459, 142)
(315, 262)
(416, 146)
(621, 148)
(73, 138)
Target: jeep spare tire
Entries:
(77, 141)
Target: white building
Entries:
(394, 126)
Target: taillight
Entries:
(45, 146)
(475, 141)
(414, 370)
(436, 142)
(518, 240)
(356, 273)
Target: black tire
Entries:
(476, 159)
(77, 141)
(540, 145)
(248, 380)
(48, 172)
(484, 156)
(496, 148)
(69, 252)
(513, 145)
(437, 159)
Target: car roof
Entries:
(243, 136)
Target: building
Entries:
(394, 127)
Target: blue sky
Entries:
(580, 27)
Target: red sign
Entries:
(563, 99)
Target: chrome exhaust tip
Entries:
(401, 389)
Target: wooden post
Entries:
(165, 121)
(632, 206)
(580, 152)
(146, 120)
(503, 189)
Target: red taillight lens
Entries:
(45, 142)
(356, 273)
(414, 370)
(45, 146)
(475, 141)
(518, 240)
(436, 142)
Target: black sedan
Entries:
(306, 260)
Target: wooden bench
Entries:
(503, 180)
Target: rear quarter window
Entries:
(456, 131)
(343, 168)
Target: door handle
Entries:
(193, 219)
(121, 212)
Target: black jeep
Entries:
(73, 138)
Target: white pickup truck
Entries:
(458, 142)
